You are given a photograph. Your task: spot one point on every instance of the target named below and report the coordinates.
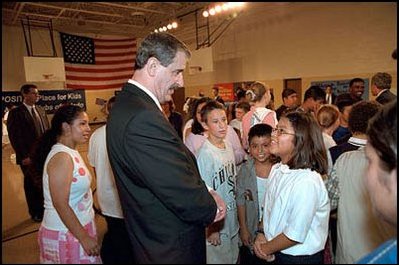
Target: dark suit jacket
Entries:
(165, 203)
(333, 98)
(22, 132)
(386, 97)
(219, 99)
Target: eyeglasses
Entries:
(279, 131)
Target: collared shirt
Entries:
(329, 98)
(297, 205)
(148, 92)
(29, 108)
(379, 93)
(357, 141)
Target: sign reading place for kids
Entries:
(50, 100)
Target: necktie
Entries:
(36, 120)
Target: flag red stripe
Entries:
(116, 40)
(114, 62)
(110, 70)
(99, 46)
(88, 78)
(114, 54)
(116, 86)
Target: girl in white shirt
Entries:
(67, 234)
(297, 208)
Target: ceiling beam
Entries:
(132, 7)
(73, 9)
(59, 14)
(66, 18)
(21, 5)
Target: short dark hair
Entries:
(162, 46)
(260, 130)
(244, 105)
(25, 89)
(360, 115)
(355, 80)
(287, 92)
(315, 92)
(208, 107)
(345, 102)
(240, 94)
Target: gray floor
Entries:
(19, 233)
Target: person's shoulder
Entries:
(98, 132)
(304, 175)
(248, 114)
(247, 165)
(234, 123)
(203, 152)
(385, 97)
(19, 108)
(352, 157)
(17, 112)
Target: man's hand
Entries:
(221, 211)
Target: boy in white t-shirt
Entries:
(116, 246)
(217, 166)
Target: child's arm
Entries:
(278, 243)
(245, 235)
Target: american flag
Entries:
(97, 63)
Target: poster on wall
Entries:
(50, 100)
(226, 91)
(342, 86)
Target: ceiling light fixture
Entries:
(221, 7)
(169, 26)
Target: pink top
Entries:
(255, 116)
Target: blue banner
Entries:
(50, 100)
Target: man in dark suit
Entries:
(164, 200)
(330, 96)
(25, 124)
(218, 98)
(380, 88)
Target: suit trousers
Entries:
(116, 247)
(33, 192)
